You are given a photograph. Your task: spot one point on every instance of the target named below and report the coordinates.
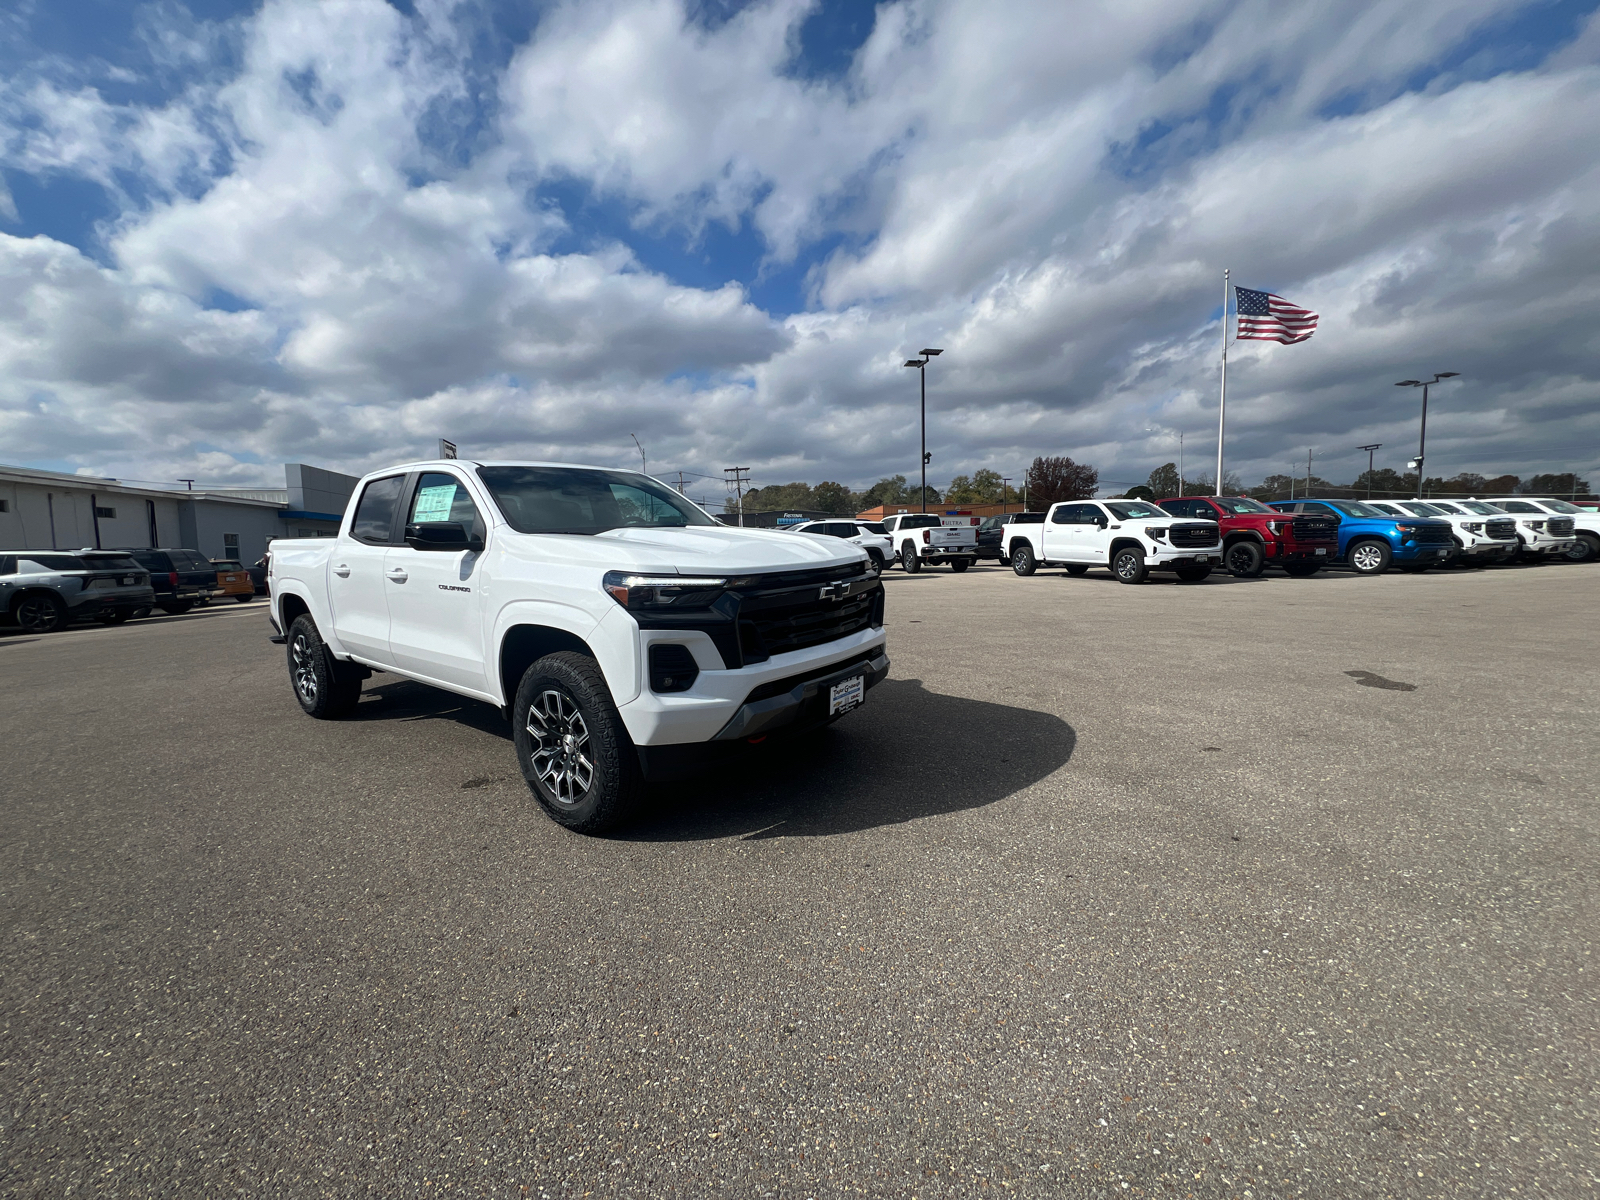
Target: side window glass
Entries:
(1517, 506)
(374, 520)
(8, 564)
(1061, 514)
(442, 497)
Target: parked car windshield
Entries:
(1354, 508)
(1482, 509)
(1560, 506)
(1132, 511)
(1241, 504)
(584, 500)
(1419, 509)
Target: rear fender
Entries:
(290, 598)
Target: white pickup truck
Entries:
(627, 634)
(921, 539)
(1131, 537)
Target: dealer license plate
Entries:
(842, 697)
(1321, 550)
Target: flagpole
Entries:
(1222, 409)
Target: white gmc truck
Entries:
(921, 539)
(1131, 537)
(627, 634)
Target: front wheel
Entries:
(1585, 549)
(959, 565)
(909, 559)
(575, 753)
(40, 612)
(1128, 565)
(317, 681)
(1244, 559)
(1370, 558)
(1022, 560)
(1192, 574)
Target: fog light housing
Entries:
(672, 668)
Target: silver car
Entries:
(45, 590)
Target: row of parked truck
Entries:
(1192, 536)
(42, 591)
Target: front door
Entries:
(357, 589)
(436, 597)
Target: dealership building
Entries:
(50, 510)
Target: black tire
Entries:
(113, 616)
(1301, 570)
(141, 612)
(1244, 559)
(1369, 556)
(959, 565)
(1077, 568)
(1193, 574)
(323, 690)
(909, 559)
(1585, 549)
(1128, 565)
(245, 599)
(175, 608)
(40, 612)
(877, 560)
(574, 751)
(1022, 561)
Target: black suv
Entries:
(181, 578)
(45, 590)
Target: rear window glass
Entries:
(110, 562)
(921, 521)
(50, 562)
(189, 560)
(874, 527)
(152, 560)
(226, 564)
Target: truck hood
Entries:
(705, 549)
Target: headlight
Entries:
(1474, 526)
(649, 592)
(1534, 524)
(1155, 533)
(1403, 527)
(1278, 527)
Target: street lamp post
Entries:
(921, 364)
(1370, 449)
(1422, 440)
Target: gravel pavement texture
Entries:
(1243, 888)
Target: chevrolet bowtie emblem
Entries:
(834, 591)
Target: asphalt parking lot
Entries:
(1251, 888)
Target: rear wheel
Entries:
(1370, 557)
(1077, 568)
(877, 560)
(40, 612)
(575, 753)
(175, 608)
(909, 559)
(245, 599)
(1192, 574)
(1302, 570)
(323, 690)
(959, 565)
(1585, 549)
(1128, 565)
(1022, 560)
(1244, 559)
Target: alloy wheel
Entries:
(1366, 558)
(304, 658)
(561, 754)
(35, 614)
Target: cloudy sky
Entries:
(238, 234)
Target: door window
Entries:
(442, 497)
(1518, 506)
(374, 520)
(1062, 515)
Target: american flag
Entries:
(1268, 318)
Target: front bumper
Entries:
(1424, 552)
(1305, 552)
(1169, 557)
(1548, 545)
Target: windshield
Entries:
(1560, 506)
(921, 521)
(1132, 511)
(583, 500)
(1479, 507)
(1418, 509)
(1241, 504)
(1354, 508)
(1445, 508)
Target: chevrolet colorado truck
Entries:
(1371, 540)
(1255, 536)
(1131, 537)
(628, 635)
(922, 539)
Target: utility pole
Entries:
(921, 364)
(644, 467)
(740, 477)
(1180, 469)
(1308, 470)
(1005, 493)
(190, 482)
(1370, 450)
(681, 492)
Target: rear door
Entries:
(1055, 537)
(436, 597)
(357, 589)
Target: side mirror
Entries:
(1101, 521)
(444, 536)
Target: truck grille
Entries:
(1197, 534)
(1433, 535)
(1504, 530)
(778, 624)
(1560, 526)
(1315, 529)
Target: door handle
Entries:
(396, 574)
(342, 571)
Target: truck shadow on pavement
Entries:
(909, 753)
(406, 700)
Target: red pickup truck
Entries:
(1254, 535)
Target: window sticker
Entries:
(433, 503)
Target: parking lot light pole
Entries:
(921, 364)
(1422, 440)
(1370, 449)
(1005, 493)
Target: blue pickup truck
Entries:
(1370, 540)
